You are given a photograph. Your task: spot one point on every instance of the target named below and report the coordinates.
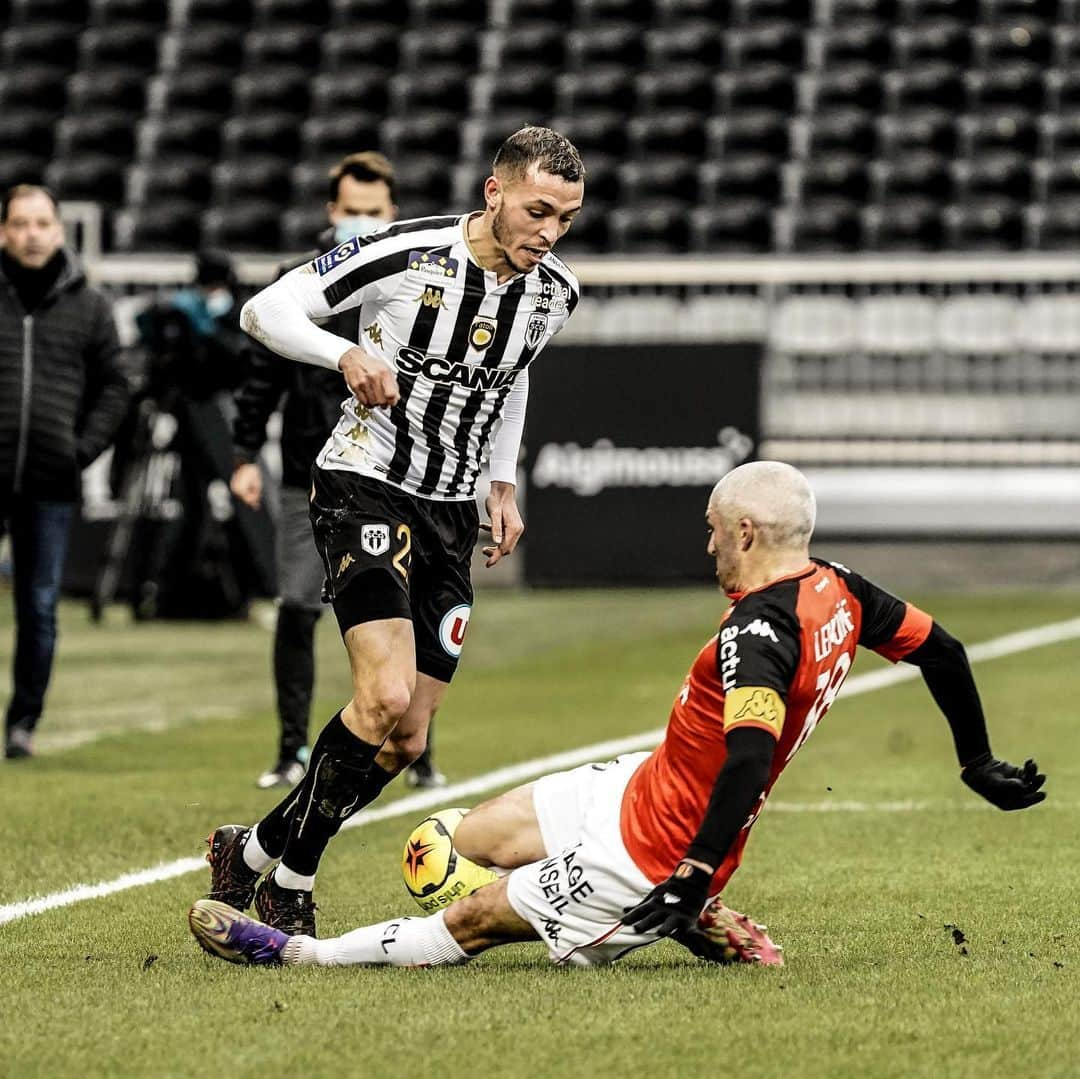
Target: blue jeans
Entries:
(39, 538)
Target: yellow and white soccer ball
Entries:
(434, 872)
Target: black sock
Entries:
(294, 675)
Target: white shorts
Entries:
(575, 897)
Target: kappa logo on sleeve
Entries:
(325, 263)
(759, 628)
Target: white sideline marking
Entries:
(518, 773)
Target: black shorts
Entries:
(389, 554)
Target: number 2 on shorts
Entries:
(400, 560)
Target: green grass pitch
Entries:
(870, 857)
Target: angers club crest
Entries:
(535, 329)
(375, 539)
(482, 332)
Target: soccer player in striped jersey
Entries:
(453, 312)
(608, 857)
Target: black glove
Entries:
(1003, 784)
(674, 906)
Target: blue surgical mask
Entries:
(361, 225)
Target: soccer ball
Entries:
(435, 874)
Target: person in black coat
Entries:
(64, 390)
(361, 200)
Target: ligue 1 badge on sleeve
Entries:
(482, 332)
(535, 329)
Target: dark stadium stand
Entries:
(707, 125)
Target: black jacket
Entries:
(312, 399)
(64, 386)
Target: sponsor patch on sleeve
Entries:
(754, 706)
(325, 263)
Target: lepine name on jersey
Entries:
(835, 632)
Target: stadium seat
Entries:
(1059, 135)
(425, 178)
(1062, 90)
(310, 183)
(278, 89)
(294, 43)
(1050, 10)
(590, 12)
(209, 45)
(255, 179)
(1059, 178)
(42, 84)
(675, 12)
(27, 12)
(676, 46)
(602, 183)
(1027, 41)
(27, 132)
(751, 130)
(130, 44)
(1055, 226)
(671, 179)
(237, 12)
(251, 226)
(373, 47)
(39, 43)
(928, 85)
(588, 46)
(916, 174)
(657, 90)
(674, 131)
(108, 12)
(93, 177)
(753, 12)
(1001, 172)
(767, 86)
(187, 133)
(110, 88)
(978, 323)
(328, 138)
(103, 132)
(552, 11)
(920, 11)
(589, 232)
(649, 228)
(18, 168)
(995, 224)
(845, 11)
(737, 225)
(764, 43)
(998, 129)
(740, 176)
(843, 130)
(432, 132)
(481, 136)
(897, 324)
(826, 224)
(362, 89)
(268, 134)
(1018, 84)
(1066, 46)
(608, 87)
(301, 227)
(836, 176)
(271, 12)
(199, 88)
(903, 224)
(848, 86)
(163, 226)
(937, 41)
(352, 14)
(449, 43)
(528, 44)
(528, 90)
(1049, 323)
(814, 324)
(445, 87)
(183, 179)
(437, 12)
(922, 129)
(859, 41)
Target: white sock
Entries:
(254, 856)
(288, 879)
(404, 942)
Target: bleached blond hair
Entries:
(772, 494)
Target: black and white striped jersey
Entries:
(459, 342)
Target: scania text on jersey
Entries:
(412, 361)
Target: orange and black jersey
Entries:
(777, 664)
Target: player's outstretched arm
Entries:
(672, 907)
(945, 668)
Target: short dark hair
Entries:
(368, 166)
(20, 191)
(540, 146)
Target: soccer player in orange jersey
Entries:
(609, 857)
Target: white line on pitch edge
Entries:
(1009, 644)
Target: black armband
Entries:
(945, 669)
(737, 789)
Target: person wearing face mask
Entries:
(361, 201)
(64, 389)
